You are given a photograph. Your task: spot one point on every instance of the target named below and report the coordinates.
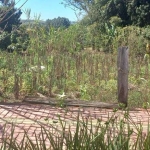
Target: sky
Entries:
(47, 9)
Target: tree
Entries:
(58, 22)
(11, 36)
(9, 15)
(127, 12)
(117, 8)
(92, 8)
(131, 12)
(139, 11)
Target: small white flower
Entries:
(61, 96)
(143, 79)
(42, 67)
(13, 47)
(32, 68)
(36, 68)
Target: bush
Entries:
(17, 40)
(4, 40)
(133, 37)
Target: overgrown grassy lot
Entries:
(85, 75)
(63, 60)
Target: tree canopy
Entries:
(120, 12)
(9, 15)
(12, 35)
(58, 22)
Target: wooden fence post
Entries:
(122, 65)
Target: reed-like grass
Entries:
(80, 73)
(115, 133)
(85, 75)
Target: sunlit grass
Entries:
(117, 132)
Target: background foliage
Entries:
(58, 22)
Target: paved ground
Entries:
(29, 118)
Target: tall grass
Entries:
(87, 76)
(80, 73)
(115, 133)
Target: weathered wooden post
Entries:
(122, 65)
